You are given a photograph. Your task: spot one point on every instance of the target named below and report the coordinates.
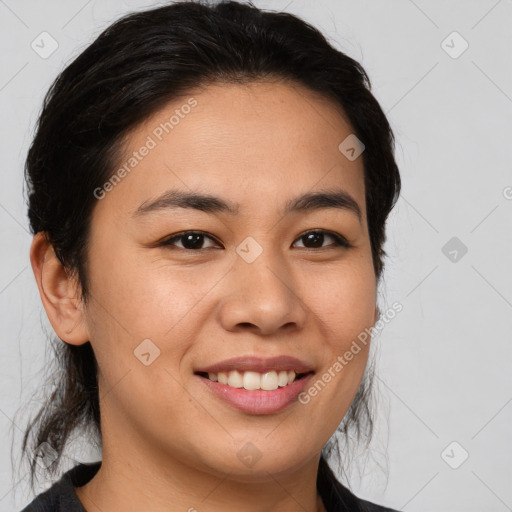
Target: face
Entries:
(259, 277)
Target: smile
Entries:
(249, 380)
(256, 401)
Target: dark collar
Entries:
(61, 496)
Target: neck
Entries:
(130, 478)
(126, 487)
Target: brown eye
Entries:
(315, 239)
(194, 240)
(191, 240)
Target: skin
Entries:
(166, 438)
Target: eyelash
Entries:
(339, 241)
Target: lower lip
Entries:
(258, 401)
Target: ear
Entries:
(59, 293)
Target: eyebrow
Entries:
(207, 203)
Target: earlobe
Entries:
(59, 292)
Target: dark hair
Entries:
(136, 66)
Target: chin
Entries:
(249, 465)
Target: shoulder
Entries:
(338, 498)
(61, 496)
(368, 506)
(355, 503)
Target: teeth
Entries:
(253, 380)
(235, 379)
(282, 378)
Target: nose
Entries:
(261, 296)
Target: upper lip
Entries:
(257, 364)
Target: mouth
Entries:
(253, 381)
(253, 393)
(256, 385)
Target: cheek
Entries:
(344, 302)
(344, 305)
(344, 308)
(148, 300)
(132, 305)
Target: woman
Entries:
(208, 192)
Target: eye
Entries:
(316, 238)
(194, 240)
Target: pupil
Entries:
(315, 238)
(192, 241)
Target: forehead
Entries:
(254, 142)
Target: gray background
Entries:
(444, 362)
